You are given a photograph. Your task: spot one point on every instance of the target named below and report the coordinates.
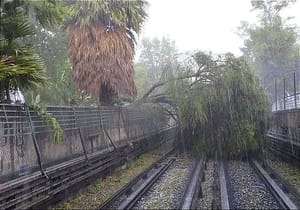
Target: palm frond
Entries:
(15, 26)
(127, 13)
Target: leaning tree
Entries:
(101, 47)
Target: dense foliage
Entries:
(219, 104)
(20, 65)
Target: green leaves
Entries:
(15, 26)
(221, 104)
(50, 121)
(21, 65)
(271, 47)
(127, 13)
(49, 12)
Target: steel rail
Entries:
(126, 189)
(131, 201)
(273, 187)
(191, 195)
(223, 187)
(286, 185)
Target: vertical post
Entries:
(80, 135)
(295, 92)
(284, 94)
(276, 99)
(119, 121)
(35, 144)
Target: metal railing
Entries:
(14, 119)
(287, 103)
(287, 97)
(26, 142)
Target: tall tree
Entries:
(157, 56)
(271, 46)
(21, 67)
(102, 36)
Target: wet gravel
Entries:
(207, 199)
(246, 190)
(168, 190)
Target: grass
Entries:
(289, 172)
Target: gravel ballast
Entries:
(167, 191)
(246, 190)
(207, 187)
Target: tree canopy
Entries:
(218, 101)
(271, 46)
(157, 56)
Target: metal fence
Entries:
(27, 144)
(287, 93)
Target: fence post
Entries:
(35, 144)
(295, 92)
(80, 135)
(106, 133)
(284, 94)
(276, 102)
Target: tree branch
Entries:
(167, 81)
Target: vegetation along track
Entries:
(246, 185)
(287, 178)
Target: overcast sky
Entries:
(208, 25)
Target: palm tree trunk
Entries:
(2, 88)
(7, 84)
(106, 96)
(4, 91)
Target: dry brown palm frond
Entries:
(102, 57)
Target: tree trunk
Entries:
(182, 142)
(2, 88)
(4, 91)
(106, 96)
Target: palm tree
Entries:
(102, 36)
(20, 66)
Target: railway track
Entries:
(288, 188)
(242, 185)
(248, 185)
(193, 189)
(128, 195)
